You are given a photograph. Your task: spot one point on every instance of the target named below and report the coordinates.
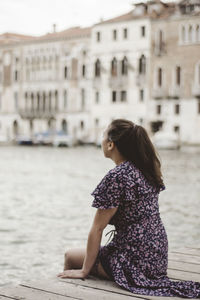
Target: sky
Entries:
(36, 17)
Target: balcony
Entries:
(175, 92)
(159, 93)
(196, 90)
(33, 114)
(118, 82)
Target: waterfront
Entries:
(45, 204)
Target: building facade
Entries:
(143, 66)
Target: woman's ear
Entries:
(110, 145)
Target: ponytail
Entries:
(134, 144)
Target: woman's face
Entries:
(105, 144)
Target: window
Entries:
(143, 31)
(190, 34)
(141, 95)
(178, 75)
(114, 34)
(177, 109)
(158, 109)
(160, 75)
(142, 65)
(114, 96)
(183, 34)
(82, 125)
(83, 70)
(0, 101)
(82, 98)
(96, 122)
(125, 33)
(114, 67)
(16, 100)
(98, 36)
(197, 33)
(124, 66)
(64, 126)
(97, 71)
(65, 99)
(16, 75)
(123, 96)
(199, 107)
(97, 97)
(56, 100)
(160, 40)
(65, 73)
(176, 129)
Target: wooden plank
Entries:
(192, 252)
(5, 298)
(74, 289)
(22, 293)
(184, 258)
(183, 266)
(181, 275)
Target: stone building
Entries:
(44, 83)
(143, 66)
(175, 68)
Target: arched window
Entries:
(44, 101)
(82, 125)
(142, 65)
(64, 126)
(197, 33)
(183, 34)
(160, 77)
(15, 128)
(56, 100)
(190, 34)
(50, 106)
(160, 40)
(124, 66)
(32, 102)
(178, 75)
(97, 70)
(114, 67)
(65, 72)
(65, 99)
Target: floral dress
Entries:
(137, 256)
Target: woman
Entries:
(127, 197)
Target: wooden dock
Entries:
(184, 264)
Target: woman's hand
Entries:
(77, 273)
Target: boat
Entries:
(62, 139)
(166, 140)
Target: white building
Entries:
(79, 79)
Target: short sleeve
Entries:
(109, 191)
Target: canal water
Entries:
(45, 205)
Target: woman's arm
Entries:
(101, 219)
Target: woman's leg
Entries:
(74, 259)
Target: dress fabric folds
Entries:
(137, 256)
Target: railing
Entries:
(118, 82)
(33, 114)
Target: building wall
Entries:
(178, 50)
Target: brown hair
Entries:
(134, 144)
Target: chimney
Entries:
(54, 28)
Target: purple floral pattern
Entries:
(137, 256)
